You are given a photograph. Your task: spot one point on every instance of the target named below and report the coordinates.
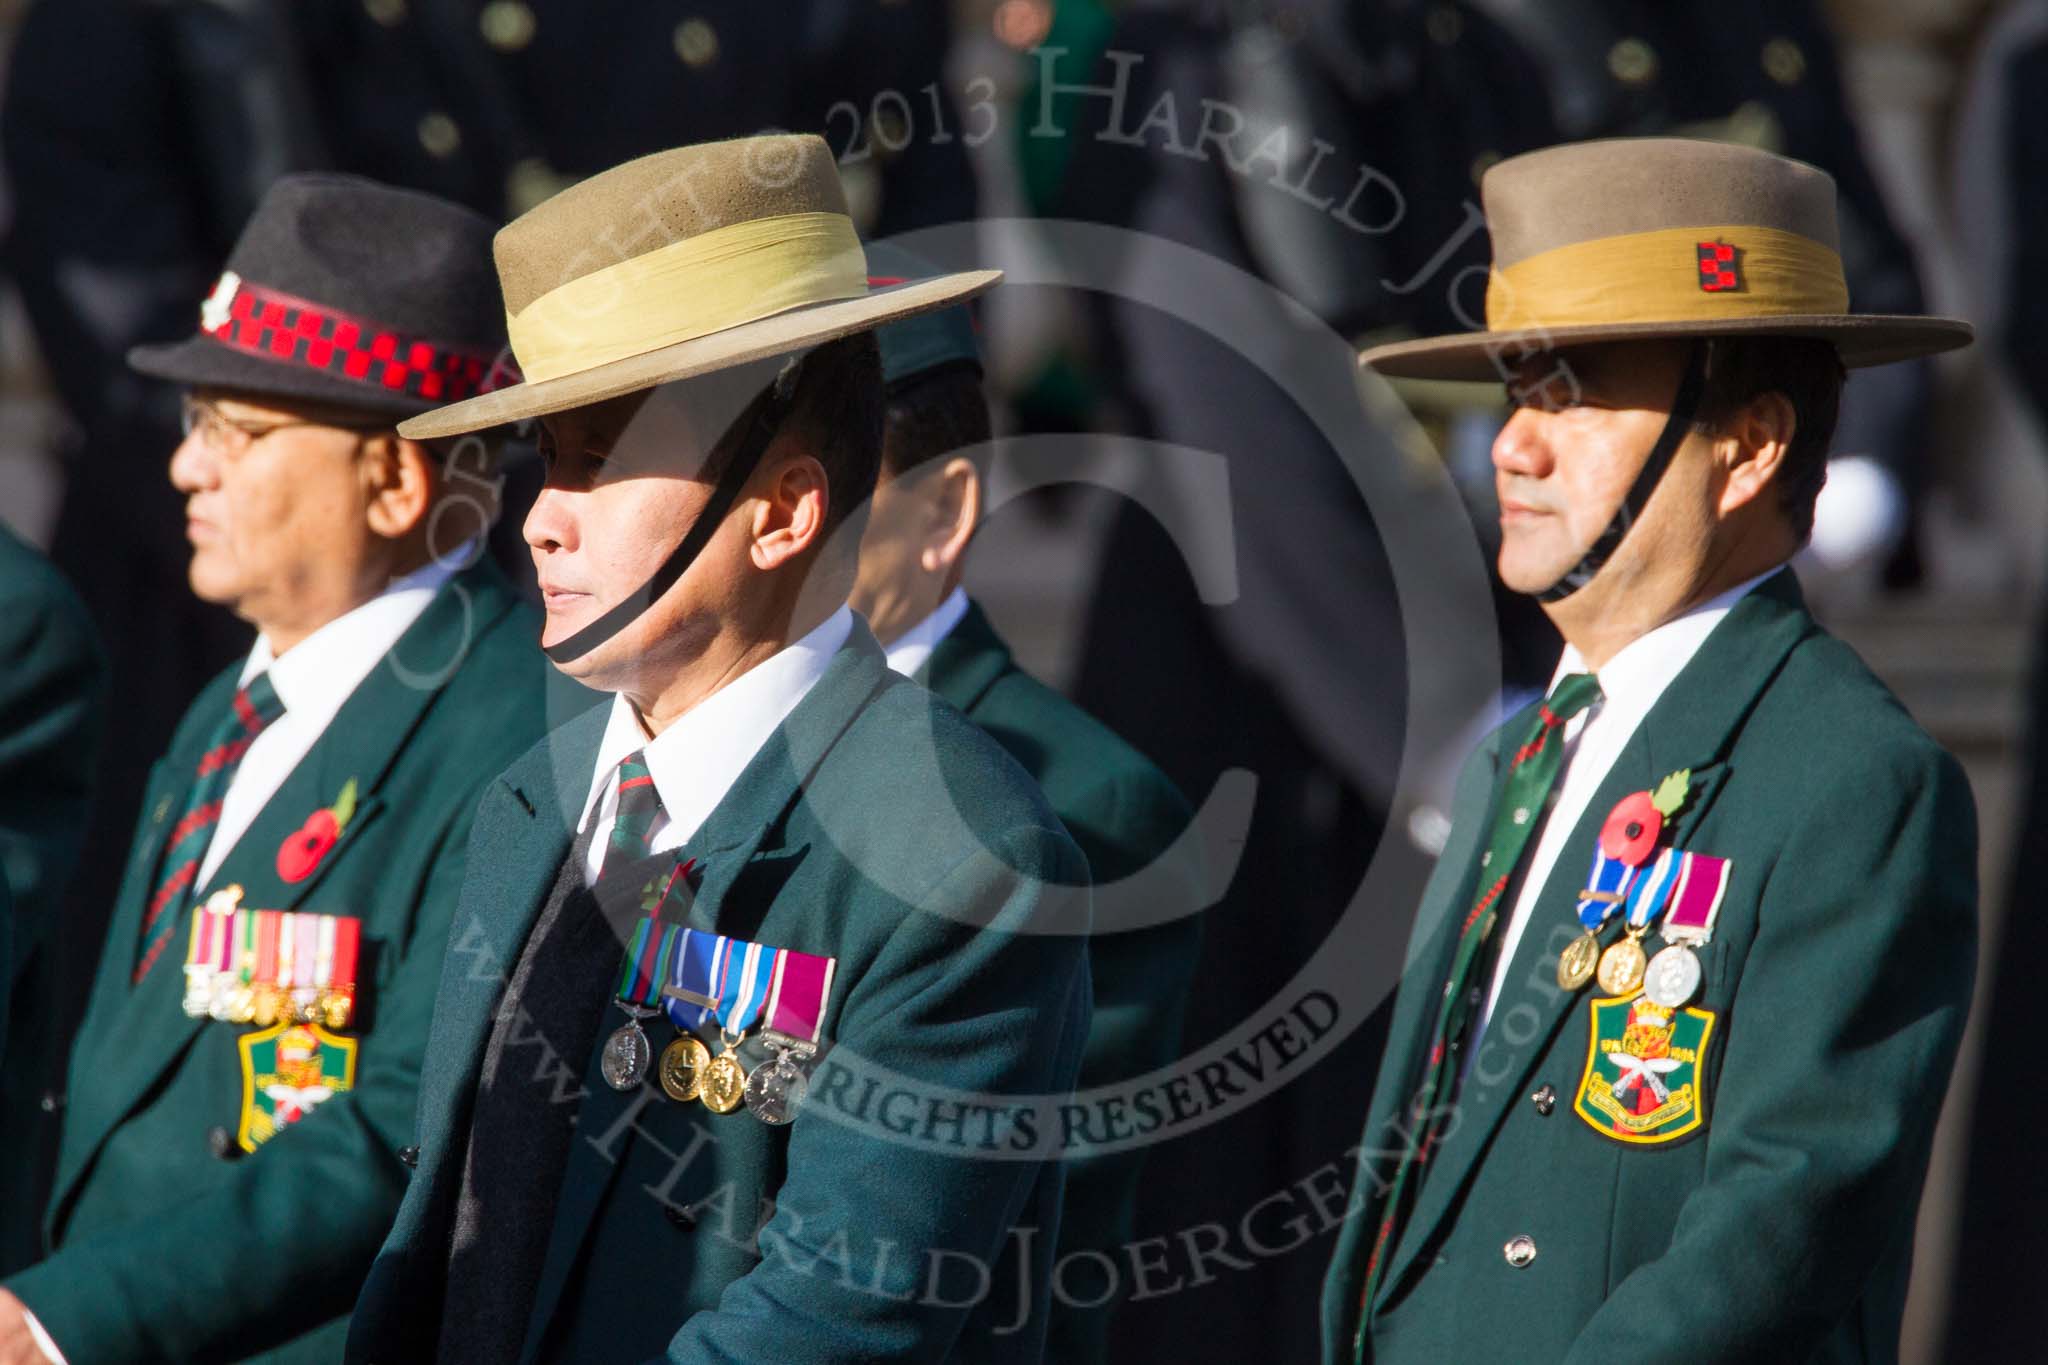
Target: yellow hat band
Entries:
(1672, 275)
(690, 288)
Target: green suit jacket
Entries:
(1838, 979)
(1127, 818)
(694, 1237)
(53, 683)
(163, 1250)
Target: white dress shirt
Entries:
(313, 678)
(1630, 685)
(697, 759)
(914, 646)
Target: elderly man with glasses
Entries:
(241, 1089)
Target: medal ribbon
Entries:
(796, 1003)
(1697, 904)
(269, 948)
(199, 952)
(348, 932)
(1652, 887)
(640, 981)
(1606, 884)
(245, 945)
(323, 952)
(693, 968)
(739, 1003)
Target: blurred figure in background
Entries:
(1127, 818)
(53, 686)
(1303, 681)
(2002, 137)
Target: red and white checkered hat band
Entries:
(280, 327)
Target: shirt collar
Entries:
(910, 650)
(697, 759)
(315, 676)
(1637, 675)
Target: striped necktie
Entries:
(639, 806)
(1531, 772)
(255, 706)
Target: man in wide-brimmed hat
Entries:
(1687, 984)
(244, 1077)
(745, 999)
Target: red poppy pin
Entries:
(305, 846)
(1630, 834)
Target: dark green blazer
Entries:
(695, 1237)
(1839, 977)
(53, 685)
(163, 1250)
(1128, 819)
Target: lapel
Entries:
(967, 662)
(92, 1108)
(526, 824)
(1451, 887)
(1693, 725)
(361, 741)
(730, 837)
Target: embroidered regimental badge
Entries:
(1645, 1065)
(287, 1072)
(1720, 267)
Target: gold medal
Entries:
(683, 1064)
(1621, 966)
(264, 1003)
(724, 1088)
(1576, 963)
(334, 1009)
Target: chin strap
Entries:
(1684, 409)
(768, 414)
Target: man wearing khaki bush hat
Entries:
(743, 1000)
(1688, 981)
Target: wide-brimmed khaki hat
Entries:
(1631, 239)
(679, 264)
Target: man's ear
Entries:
(952, 501)
(400, 478)
(788, 514)
(1752, 449)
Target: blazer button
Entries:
(410, 1156)
(1520, 1251)
(681, 1216)
(222, 1144)
(1545, 1100)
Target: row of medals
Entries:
(262, 1005)
(1668, 979)
(688, 1072)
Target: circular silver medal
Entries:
(627, 1055)
(774, 1093)
(1672, 977)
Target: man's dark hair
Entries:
(1809, 373)
(933, 415)
(837, 412)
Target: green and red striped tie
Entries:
(1531, 772)
(255, 706)
(639, 807)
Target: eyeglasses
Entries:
(222, 435)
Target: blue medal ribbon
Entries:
(746, 986)
(695, 968)
(1607, 883)
(1652, 887)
